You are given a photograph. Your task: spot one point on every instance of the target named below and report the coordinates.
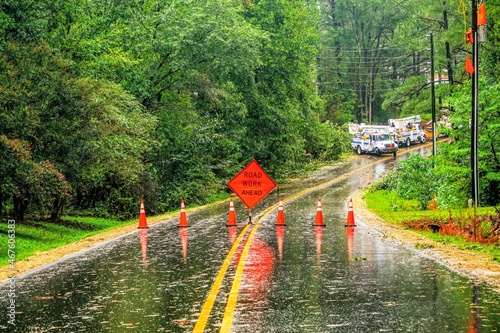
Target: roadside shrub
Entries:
(327, 142)
(389, 182)
(415, 180)
(453, 183)
(427, 179)
(451, 195)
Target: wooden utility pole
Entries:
(475, 109)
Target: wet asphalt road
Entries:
(297, 278)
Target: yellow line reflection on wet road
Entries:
(209, 302)
(227, 321)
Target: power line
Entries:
(390, 47)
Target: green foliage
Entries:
(381, 202)
(94, 133)
(374, 57)
(452, 183)
(167, 100)
(39, 236)
(28, 182)
(328, 142)
(388, 182)
(416, 180)
(423, 179)
(458, 152)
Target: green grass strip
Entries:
(32, 237)
(394, 210)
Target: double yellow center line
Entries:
(233, 295)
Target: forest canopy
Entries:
(105, 102)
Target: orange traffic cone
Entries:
(142, 217)
(281, 214)
(232, 215)
(319, 215)
(183, 221)
(350, 215)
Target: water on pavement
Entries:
(297, 278)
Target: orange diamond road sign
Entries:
(251, 184)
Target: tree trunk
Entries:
(57, 208)
(20, 206)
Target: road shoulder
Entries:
(476, 266)
(41, 259)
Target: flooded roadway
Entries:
(297, 278)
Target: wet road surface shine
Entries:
(233, 295)
(207, 307)
(266, 278)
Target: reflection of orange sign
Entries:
(259, 267)
(251, 184)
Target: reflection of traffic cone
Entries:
(142, 217)
(183, 220)
(350, 215)
(143, 239)
(319, 215)
(280, 236)
(318, 235)
(184, 242)
(281, 214)
(232, 215)
(350, 241)
(233, 233)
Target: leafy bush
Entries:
(389, 182)
(328, 142)
(415, 180)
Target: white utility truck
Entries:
(409, 130)
(377, 143)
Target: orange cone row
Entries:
(280, 221)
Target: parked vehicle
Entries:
(374, 143)
(408, 130)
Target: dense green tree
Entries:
(375, 56)
(27, 182)
(282, 101)
(93, 132)
(489, 131)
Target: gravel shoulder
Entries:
(480, 268)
